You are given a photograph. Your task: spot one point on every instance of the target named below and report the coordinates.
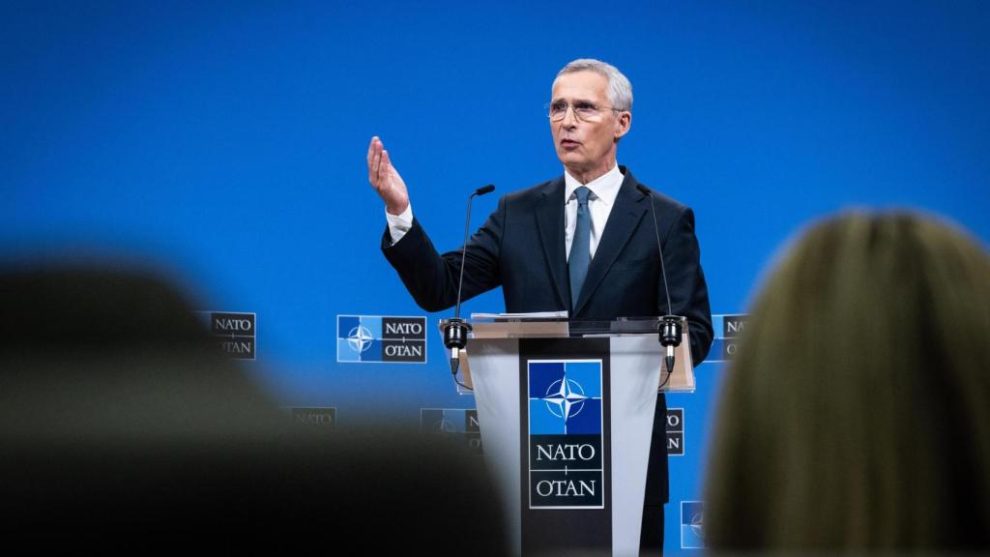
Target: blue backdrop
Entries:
(224, 144)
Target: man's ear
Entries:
(622, 124)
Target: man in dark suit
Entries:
(583, 242)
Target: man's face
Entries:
(586, 146)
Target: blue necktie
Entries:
(580, 257)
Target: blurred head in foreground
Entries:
(124, 430)
(856, 412)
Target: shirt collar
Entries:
(605, 187)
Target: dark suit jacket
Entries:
(521, 248)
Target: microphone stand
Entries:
(670, 325)
(455, 329)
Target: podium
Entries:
(566, 411)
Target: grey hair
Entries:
(619, 88)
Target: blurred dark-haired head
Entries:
(123, 428)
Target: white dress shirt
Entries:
(399, 224)
(604, 190)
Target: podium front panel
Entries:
(565, 425)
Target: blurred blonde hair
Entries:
(856, 413)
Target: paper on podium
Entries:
(562, 314)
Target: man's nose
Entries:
(570, 117)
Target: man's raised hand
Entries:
(385, 178)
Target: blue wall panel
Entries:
(224, 145)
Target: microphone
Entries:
(482, 191)
(455, 330)
(670, 325)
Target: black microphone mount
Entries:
(670, 338)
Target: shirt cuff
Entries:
(399, 224)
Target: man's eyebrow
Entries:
(573, 101)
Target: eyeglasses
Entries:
(583, 111)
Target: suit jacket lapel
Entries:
(550, 222)
(629, 208)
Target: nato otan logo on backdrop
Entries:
(565, 434)
(235, 332)
(675, 431)
(323, 418)
(454, 423)
(732, 327)
(692, 525)
(729, 328)
(377, 338)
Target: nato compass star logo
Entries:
(565, 398)
(444, 426)
(360, 339)
(692, 525)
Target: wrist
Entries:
(397, 208)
